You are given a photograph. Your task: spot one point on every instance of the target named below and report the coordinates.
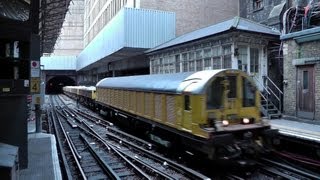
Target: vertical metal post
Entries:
(38, 118)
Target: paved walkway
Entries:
(297, 129)
(43, 161)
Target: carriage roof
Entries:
(192, 82)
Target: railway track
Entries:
(94, 148)
(78, 162)
(274, 168)
(277, 168)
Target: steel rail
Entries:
(60, 145)
(72, 150)
(84, 114)
(177, 167)
(295, 170)
(99, 138)
(148, 145)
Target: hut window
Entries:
(177, 59)
(243, 58)
(254, 60)
(227, 56)
(199, 61)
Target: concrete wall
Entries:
(293, 51)
(70, 41)
(192, 15)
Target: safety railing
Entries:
(271, 93)
(274, 90)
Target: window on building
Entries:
(177, 63)
(242, 58)
(199, 60)
(216, 62)
(257, 4)
(171, 64)
(207, 58)
(216, 51)
(226, 57)
(152, 66)
(161, 65)
(199, 64)
(166, 64)
(191, 61)
(254, 60)
(216, 57)
(185, 62)
(155, 64)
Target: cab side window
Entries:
(187, 103)
(215, 93)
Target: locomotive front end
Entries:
(232, 116)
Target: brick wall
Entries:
(192, 15)
(292, 51)
(289, 75)
(259, 15)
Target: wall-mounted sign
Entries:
(35, 85)
(35, 68)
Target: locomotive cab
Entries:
(232, 102)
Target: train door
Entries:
(305, 92)
(187, 113)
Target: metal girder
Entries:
(58, 6)
(53, 14)
(52, 32)
(56, 26)
(51, 36)
(53, 21)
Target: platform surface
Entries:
(43, 162)
(295, 128)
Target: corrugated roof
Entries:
(237, 23)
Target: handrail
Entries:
(274, 94)
(278, 97)
(257, 80)
(274, 84)
(270, 91)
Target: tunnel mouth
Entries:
(55, 85)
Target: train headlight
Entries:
(225, 122)
(245, 120)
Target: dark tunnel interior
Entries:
(55, 85)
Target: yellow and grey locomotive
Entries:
(214, 112)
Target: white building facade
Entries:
(219, 46)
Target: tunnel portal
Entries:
(54, 85)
